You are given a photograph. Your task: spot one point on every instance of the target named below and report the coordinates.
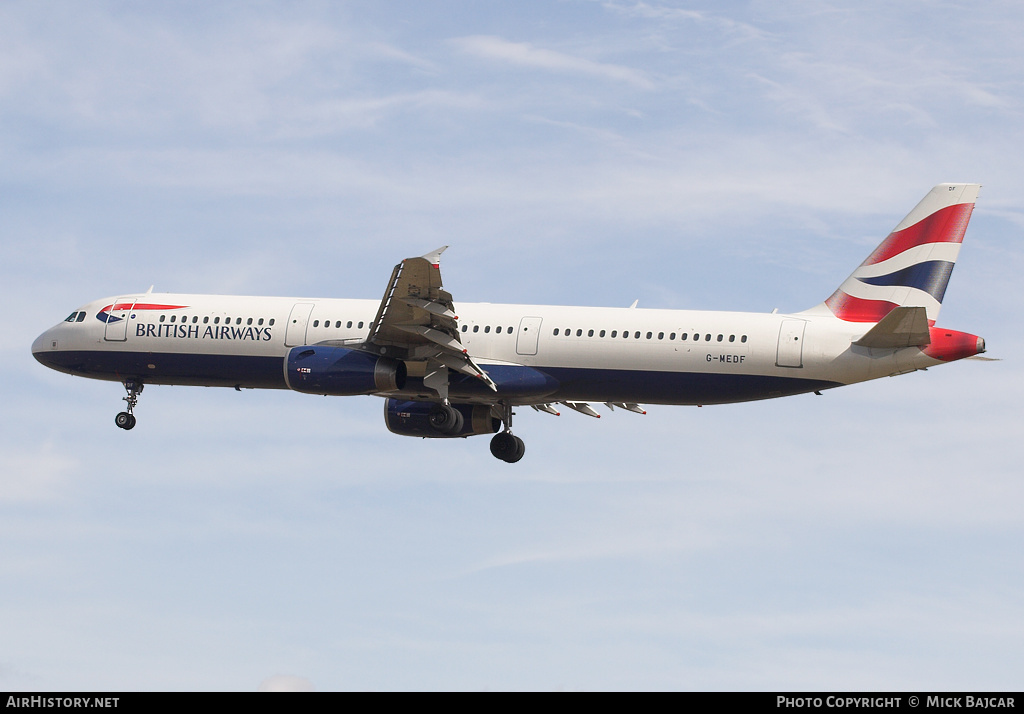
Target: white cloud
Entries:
(524, 54)
(286, 683)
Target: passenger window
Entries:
(661, 335)
(649, 335)
(509, 330)
(601, 334)
(556, 332)
(238, 321)
(206, 320)
(249, 321)
(271, 322)
(672, 336)
(684, 337)
(732, 338)
(720, 338)
(360, 324)
(637, 335)
(163, 317)
(579, 333)
(316, 323)
(476, 328)
(743, 339)
(216, 321)
(348, 324)
(707, 338)
(465, 327)
(615, 333)
(172, 317)
(487, 329)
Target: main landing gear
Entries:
(505, 445)
(126, 420)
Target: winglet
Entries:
(434, 256)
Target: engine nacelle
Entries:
(420, 419)
(339, 371)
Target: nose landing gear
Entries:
(126, 420)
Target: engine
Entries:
(438, 421)
(339, 371)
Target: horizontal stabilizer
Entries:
(902, 327)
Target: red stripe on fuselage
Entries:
(141, 306)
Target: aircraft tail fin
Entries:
(911, 267)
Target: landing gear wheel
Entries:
(446, 419)
(126, 420)
(507, 447)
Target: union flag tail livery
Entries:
(446, 372)
(912, 266)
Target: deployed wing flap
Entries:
(414, 298)
(902, 327)
(417, 321)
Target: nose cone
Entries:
(40, 345)
(46, 349)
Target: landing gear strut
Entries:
(126, 420)
(505, 445)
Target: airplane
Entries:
(449, 372)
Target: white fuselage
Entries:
(592, 354)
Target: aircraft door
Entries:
(117, 320)
(791, 344)
(529, 334)
(295, 334)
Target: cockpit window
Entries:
(72, 317)
(81, 316)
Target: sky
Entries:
(704, 155)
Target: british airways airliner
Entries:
(455, 371)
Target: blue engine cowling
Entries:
(409, 418)
(339, 371)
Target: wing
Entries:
(416, 321)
